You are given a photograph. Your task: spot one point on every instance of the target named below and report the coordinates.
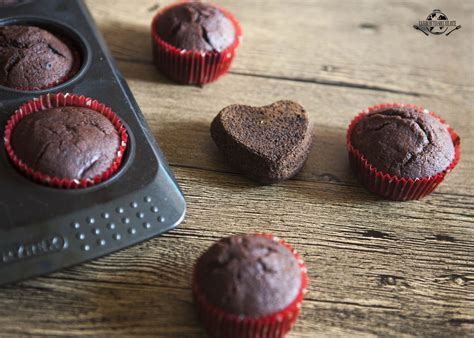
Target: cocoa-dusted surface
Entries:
(66, 142)
(404, 142)
(248, 275)
(32, 58)
(196, 26)
(269, 144)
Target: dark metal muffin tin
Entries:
(43, 229)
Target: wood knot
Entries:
(459, 280)
(368, 26)
(444, 238)
(375, 234)
(388, 280)
(329, 68)
(154, 7)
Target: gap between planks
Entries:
(303, 80)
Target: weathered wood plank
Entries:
(376, 268)
(99, 309)
(392, 274)
(180, 118)
(363, 44)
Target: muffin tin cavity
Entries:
(66, 34)
(48, 140)
(45, 228)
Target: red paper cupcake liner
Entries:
(218, 323)
(391, 186)
(193, 67)
(49, 101)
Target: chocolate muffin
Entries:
(248, 275)
(66, 142)
(32, 58)
(269, 144)
(404, 142)
(196, 26)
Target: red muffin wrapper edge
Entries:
(391, 186)
(193, 67)
(50, 101)
(219, 323)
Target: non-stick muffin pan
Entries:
(43, 228)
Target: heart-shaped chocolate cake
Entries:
(269, 144)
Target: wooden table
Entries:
(375, 267)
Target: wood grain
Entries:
(376, 268)
(369, 45)
(185, 139)
(393, 275)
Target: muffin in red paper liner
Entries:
(32, 58)
(249, 286)
(401, 152)
(65, 140)
(193, 42)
